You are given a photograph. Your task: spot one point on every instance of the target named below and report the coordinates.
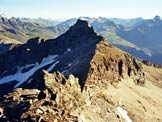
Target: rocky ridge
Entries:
(79, 48)
(99, 89)
(149, 63)
(108, 66)
(61, 100)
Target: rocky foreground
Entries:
(63, 101)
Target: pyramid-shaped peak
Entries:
(81, 31)
(82, 24)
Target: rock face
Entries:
(59, 96)
(111, 64)
(5, 47)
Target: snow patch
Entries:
(123, 113)
(29, 81)
(52, 66)
(19, 69)
(82, 118)
(65, 72)
(69, 65)
(68, 50)
(22, 77)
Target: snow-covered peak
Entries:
(3, 15)
(101, 19)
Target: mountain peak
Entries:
(80, 33)
(3, 15)
(157, 18)
(82, 24)
(3, 18)
(79, 51)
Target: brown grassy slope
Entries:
(7, 40)
(154, 75)
(105, 90)
(143, 103)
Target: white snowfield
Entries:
(22, 77)
(123, 113)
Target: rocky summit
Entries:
(77, 77)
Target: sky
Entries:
(65, 9)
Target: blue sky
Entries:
(75, 8)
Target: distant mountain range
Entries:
(126, 36)
(131, 23)
(45, 22)
(140, 37)
(22, 29)
(147, 36)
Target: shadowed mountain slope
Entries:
(79, 77)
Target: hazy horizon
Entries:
(62, 19)
(66, 9)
